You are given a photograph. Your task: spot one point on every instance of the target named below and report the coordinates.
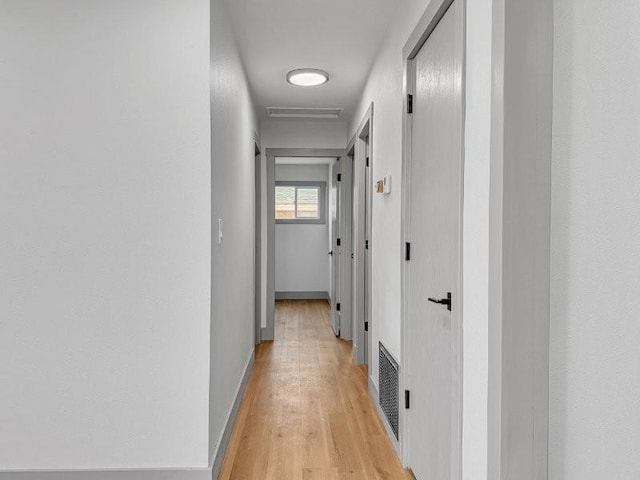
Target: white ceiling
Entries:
(338, 36)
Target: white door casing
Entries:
(271, 155)
(367, 252)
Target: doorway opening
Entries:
(301, 257)
(360, 153)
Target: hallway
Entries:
(306, 413)
(197, 195)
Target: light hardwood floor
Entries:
(306, 413)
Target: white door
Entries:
(433, 422)
(334, 252)
(367, 251)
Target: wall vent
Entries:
(293, 112)
(389, 387)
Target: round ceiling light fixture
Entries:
(307, 77)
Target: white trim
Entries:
(361, 268)
(268, 333)
(494, 327)
(132, 474)
(375, 396)
(257, 243)
(225, 436)
(519, 239)
(152, 474)
(322, 202)
(303, 296)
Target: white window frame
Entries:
(322, 202)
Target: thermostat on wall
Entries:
(384, 185)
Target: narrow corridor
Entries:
(306, 413)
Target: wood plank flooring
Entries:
(306, 413)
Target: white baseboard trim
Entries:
(161, 474)
(302, 296)
(225, 437)
(151, 474)
(375, 397)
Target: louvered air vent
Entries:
(291, 112)
(388, 382)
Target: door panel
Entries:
(335, 259)
(367, 251)
(433, 271)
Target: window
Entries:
(300, 202)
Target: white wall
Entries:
(595, 252)
(233, 127)
(384, 88)
(303, 133)
(105, 234)
(302, 263)
(475, 231)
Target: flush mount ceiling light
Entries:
(307, 77)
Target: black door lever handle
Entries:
(331, 253)
(443, 301)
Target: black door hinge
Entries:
(407, 398)
(409, 103)
(366, 326)
(339, 179)
(338, 306)
(367, 161)
(366, 244)
(407, 251)
(338, 242)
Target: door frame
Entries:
(519, 296)
(361, 194)
(519, 245)
(425, 27)
(268, 333)
(257, 245)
